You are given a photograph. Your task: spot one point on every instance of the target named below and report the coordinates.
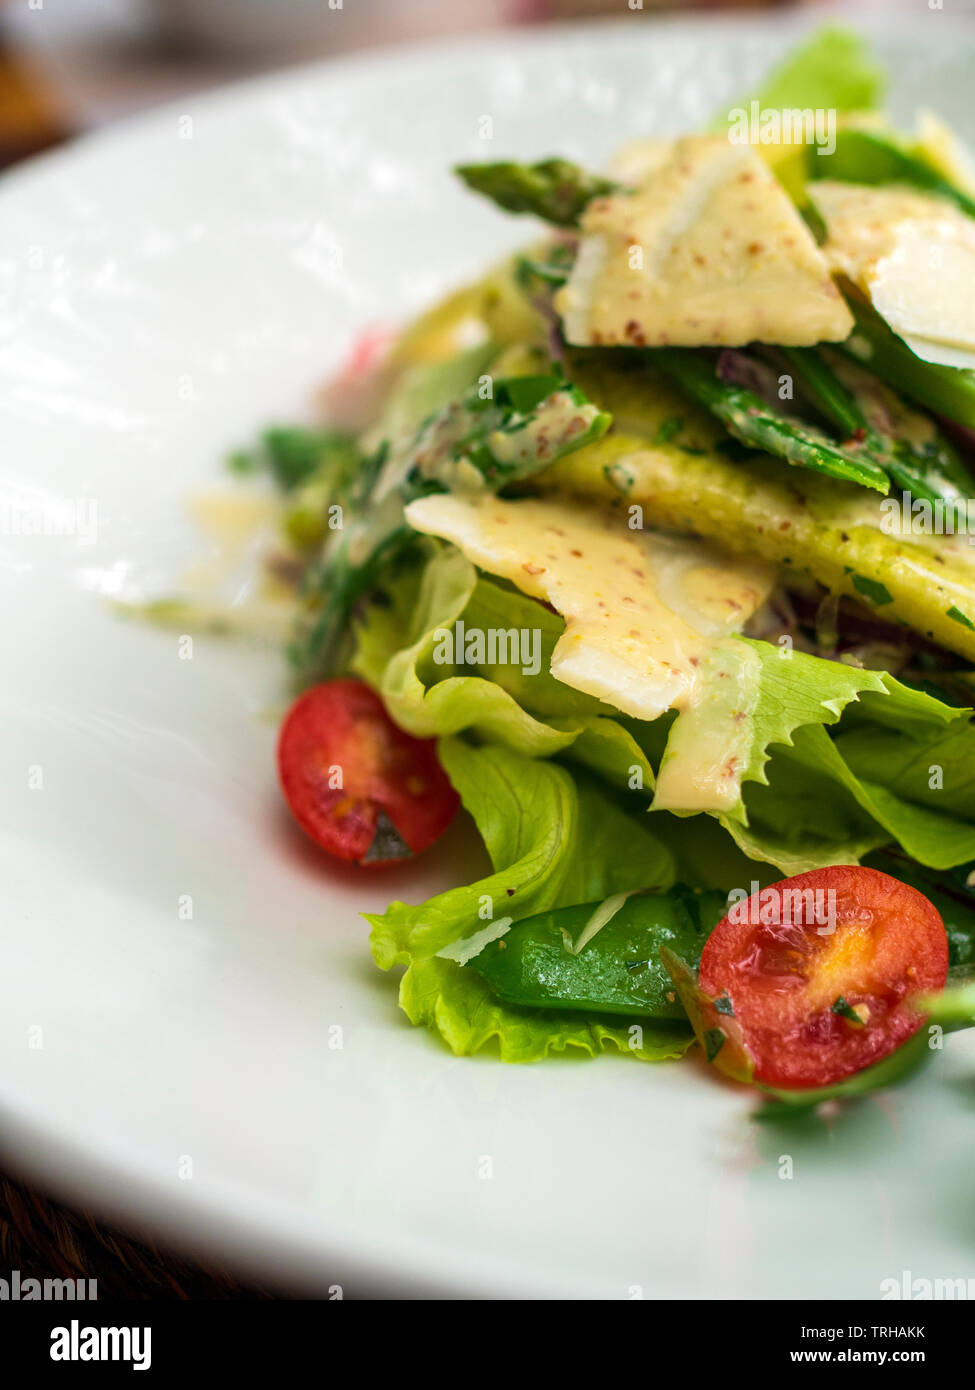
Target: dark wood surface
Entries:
(44, 1239)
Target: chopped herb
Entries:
(872, 589)
(724, 1005)
(714, 1041)
(846, 1011)
(958, 616)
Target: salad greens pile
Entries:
(858, 668)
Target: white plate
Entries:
(167, 287)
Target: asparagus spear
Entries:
(825, 390)
(553, 189)
(480, 443)
(754, 422)
(934, 472)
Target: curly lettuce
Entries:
(554, 838)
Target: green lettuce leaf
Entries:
(841, 760)
(802, 816)
(459, 1006)
(554, 838)
(427, 699)
(810, 798)
(831, 70)
(531, 713)
(798, 691)
(895, 768)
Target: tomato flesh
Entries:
(813, 977)
(362, 788)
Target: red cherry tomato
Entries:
(361, 787)
(811, 979)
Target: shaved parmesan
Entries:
(603, 914)
(470, 946)
(635, 161)
(913, 255)
(942, 353)
(641, 610)
(707, 249)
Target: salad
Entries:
(651, 550)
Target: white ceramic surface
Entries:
(165, 288)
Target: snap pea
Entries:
(618, 971)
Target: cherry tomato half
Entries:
(361, 787)
(812, 979)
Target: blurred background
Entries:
(69, 65)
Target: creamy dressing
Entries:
(433, 454)
(642, 612)
(708, 249)
(555, 423)
(709, 746)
